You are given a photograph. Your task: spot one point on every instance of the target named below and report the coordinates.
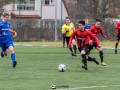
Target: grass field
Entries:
(37, 70)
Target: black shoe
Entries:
(85, 67)
(2, 54)
(115, 51)
(96, 61)
(14, 64)
(73, 54)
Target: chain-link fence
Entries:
(38, 27)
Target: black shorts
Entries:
(118, 37)
(92, 46)
(86, 48)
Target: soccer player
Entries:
(6, 40)
(87, 25)
(4, 52)
(117, 27)
(96, 29)
(67, 31)
(83, 43)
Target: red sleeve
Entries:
(91, 29)
(117, 25)
(71, 38)
(101, 29)
(95, 38)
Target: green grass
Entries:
(37, 70)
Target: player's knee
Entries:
(83, 52)
(11, 49)
(73, 42)
(99, 49)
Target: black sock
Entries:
(116, 45)
(101, 55)
(90, 59)
(74, 47)
(84, 59)
(71, 49)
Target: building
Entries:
(45, 9)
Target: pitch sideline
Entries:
(90, 87)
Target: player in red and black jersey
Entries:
(83, 43)
(117, 27)
(96, 29)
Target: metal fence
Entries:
(42, 29)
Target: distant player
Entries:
(117, 27)
(87, 25)
(6, 41)
(96, 29)
(83, 43)
(67, 31)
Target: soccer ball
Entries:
(61, 68)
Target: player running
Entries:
(83, 43)
(96, 29)
(117, 27)
(67, 31)
(6, 40)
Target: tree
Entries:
(2, 3)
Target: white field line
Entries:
(89, 87)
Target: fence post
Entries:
(41, 28)
(55, 20)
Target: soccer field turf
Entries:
(37, 70)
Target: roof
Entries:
(25, 15)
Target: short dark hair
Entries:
(81, 22)
(98, 20)
(67, 18)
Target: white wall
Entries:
(48, 12)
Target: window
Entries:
(26, 5)
(48, 2)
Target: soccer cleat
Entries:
(115, 51)
(14, 64)
(73, 54)
(103, 64)
(94, 59)
(2, 54)
(5, 53)
(85, 67)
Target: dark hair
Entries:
(67, 18)
(98, 20)
(81, 22)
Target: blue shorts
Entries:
(6, 43)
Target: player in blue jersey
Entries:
(87, 25)
(6, 40)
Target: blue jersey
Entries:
(87, 26)
(4, 28)
(5, 35)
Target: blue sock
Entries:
(13, 57)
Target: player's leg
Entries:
(3, 52)
(13, 57)
(84, 58)
(84, 54)
(10, 46)
(74, 46)
(67, 40)
(116, 45)
(63, 41)
(70, 48)
(90, 58)
(101, 56)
